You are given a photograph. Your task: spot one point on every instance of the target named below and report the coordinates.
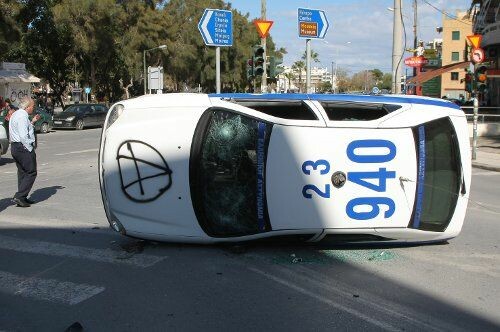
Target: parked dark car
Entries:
(79, 116)
(45, 123)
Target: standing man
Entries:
(22, 138)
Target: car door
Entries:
(102, 112)
(93, 115)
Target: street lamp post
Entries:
(144, 62)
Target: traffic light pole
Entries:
(263, 44)
(474, 126)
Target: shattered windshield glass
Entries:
(230, 175)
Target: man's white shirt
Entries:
(21, 130)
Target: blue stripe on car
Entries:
(261, 127)
(339, 97)
(420, 177)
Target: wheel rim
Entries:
(45, 127)
(79, 124)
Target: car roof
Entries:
(392, 99)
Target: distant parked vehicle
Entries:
(45, 123)
(79, 116)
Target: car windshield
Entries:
(76, 108)
(227, 170)
(439, 172)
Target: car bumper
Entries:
(63, 124)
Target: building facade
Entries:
(455, 32)
(486, 18)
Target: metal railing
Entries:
(484, 114)
(491, 117)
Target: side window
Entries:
(292, 110)
(343, 111)
(101, 108)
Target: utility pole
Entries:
(415, 42)
(263, 87)
(397, 47)
(332, 78)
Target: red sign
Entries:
(263, 27)
(416, 61)
(477, 55)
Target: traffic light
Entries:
(274, 67)
(468, 81)
(481, 77)
(258, 60)
(250, 69)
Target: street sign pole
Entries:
(312, 24)
(217, 69)
(216, 28)
(308, 66)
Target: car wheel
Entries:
(44, 128)
(79, 125)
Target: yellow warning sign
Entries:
(263, 27)
(475, 40)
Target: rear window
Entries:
(290, 109)
(439, 175)
(346, 111)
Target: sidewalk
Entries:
(487, 153)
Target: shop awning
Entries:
(428, 75)
(17, 76)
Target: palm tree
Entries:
(299, 66)
(314, 56)
(289, 76)
(280, 52)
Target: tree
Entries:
(314, 56)
(377, 76)
(299, 66)
(343, 82)
(386, 81)
(325, 87)
(10, 30)
(46, 47)
(289, 76)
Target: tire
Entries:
(44, 128)
(79, 125)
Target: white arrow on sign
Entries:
(325, 24)
(204, 24)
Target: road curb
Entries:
(486, 167)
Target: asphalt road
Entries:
(61, 264)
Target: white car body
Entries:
(153, 136)
(4, 141)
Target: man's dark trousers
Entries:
(26, 168)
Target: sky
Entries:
(360, 32)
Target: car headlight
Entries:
(115, 113)
(71, 118)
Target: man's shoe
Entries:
(29, 201)
(21, 202)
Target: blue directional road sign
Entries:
(216, 27)
(312, 23)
